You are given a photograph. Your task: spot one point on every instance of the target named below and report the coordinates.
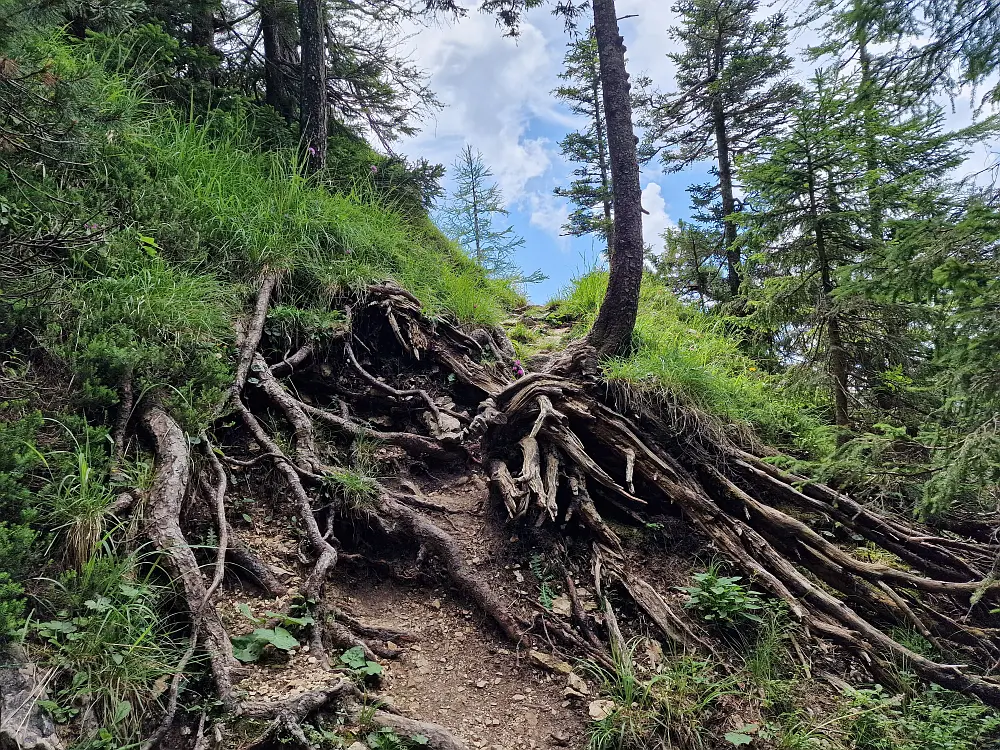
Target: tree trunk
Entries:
(728, 200)
(281, 59)
(312, 97)
(725, 182)
(203, 28)
(838, 355)
(602, 157)
(476, 228)
(612, 331)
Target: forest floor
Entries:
(454, 668)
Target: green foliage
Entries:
(386, 739)
(674, 704)
(359, 664)
(590, 191)
(542, 571)
(356, 490)
(521, 333)
(249, 648)
(722, 600)
(109, 644)
(933, 719)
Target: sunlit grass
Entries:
(684, 357)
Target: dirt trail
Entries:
(458, 670)
(461, 673)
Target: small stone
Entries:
(358, 746)
(481, 684)
(549, 662)
(561, 605)
(519, 576)
(312, 660)
(436, 603)
(559, 738)
(517, 697)
(577, 683)
(600, 709)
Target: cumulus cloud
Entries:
(494, 90)
(549, 213)
(656, 221)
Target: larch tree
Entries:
(470, 218)
(732, 86)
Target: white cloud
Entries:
(656, 221)
(549, 213)
(493, 88)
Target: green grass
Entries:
(104, 635)
(670, 707)
(215, 200)
(683, 357)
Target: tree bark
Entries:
(602, 157)
(612, 331)
(281, 57)
(838, 354)
(312, 97)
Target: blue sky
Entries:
(497, 97)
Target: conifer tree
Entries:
(591, 191)
(811, 197)
(731, 87)
(689, 263)
(470, 218)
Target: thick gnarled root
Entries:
(730, 496)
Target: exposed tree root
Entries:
(170, 483)
(728, 494)
(559, 452)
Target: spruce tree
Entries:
(810, 195)
(591, 191)
(731, 87)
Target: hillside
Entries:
(280, 465)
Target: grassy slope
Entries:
(684, 357)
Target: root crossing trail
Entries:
(420, 505)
